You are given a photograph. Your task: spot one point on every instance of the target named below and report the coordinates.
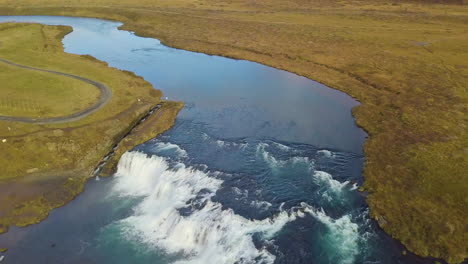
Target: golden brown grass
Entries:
(44, 166)
(405, 61)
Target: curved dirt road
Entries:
(104, 98)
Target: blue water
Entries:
(262, 166)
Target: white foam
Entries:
(281, 206)
(262, 146)
(267, 157)
(325, 179)
(209, 234)
(282, 147)
(242, 194)
(326, 196)
(220, 143)
(162, 146)
(277, 163)
(342, 236)
(243, 146)
(262, 205)
(326, 153)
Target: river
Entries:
(261, 166)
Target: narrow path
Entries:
(104, 98)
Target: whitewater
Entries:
(177, 212)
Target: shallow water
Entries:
(262, 166)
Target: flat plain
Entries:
(405, 61)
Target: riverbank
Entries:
(405, 62)
(46, 165)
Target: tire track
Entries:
(104, 98)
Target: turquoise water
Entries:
(262, 166)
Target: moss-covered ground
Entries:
(405, 61)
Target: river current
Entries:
(261, 166)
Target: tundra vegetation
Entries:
(45, 165)
(405, 61)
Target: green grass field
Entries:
(405, 61)
(36, 94)
(44, 166)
